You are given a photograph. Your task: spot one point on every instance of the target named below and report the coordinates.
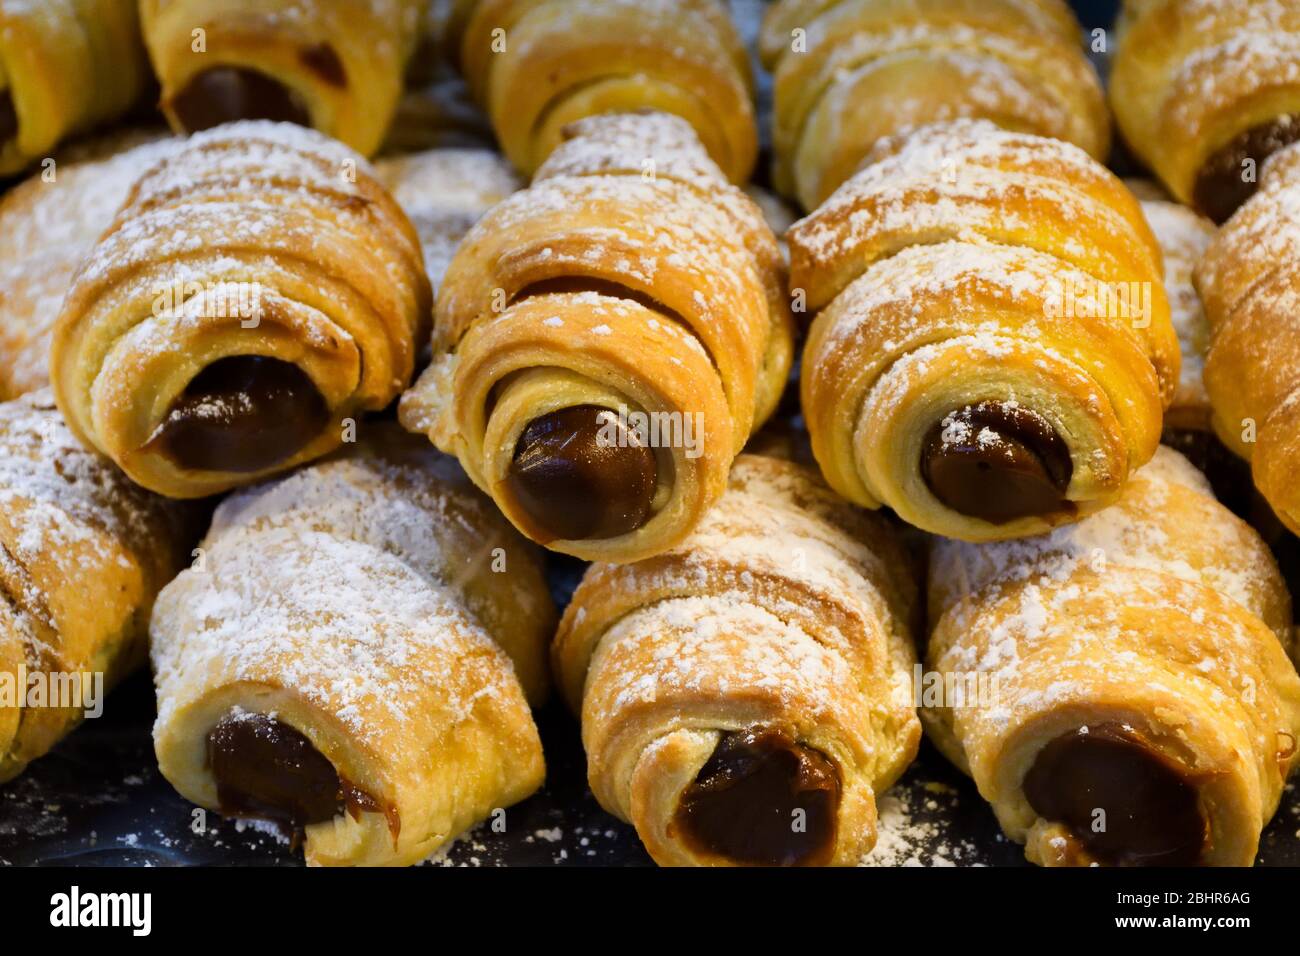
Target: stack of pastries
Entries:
(917, 434)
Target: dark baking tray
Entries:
(98, 799)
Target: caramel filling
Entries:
(579, 474)
(224, 94)
(8, 118)
(1223, 185)
(762, 799)
(242, 413)
(264, 768)
(998, 462)
(1124, 801)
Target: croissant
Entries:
(1120, 689)
(344, 662)
(48, 225)
(83, 553)
(65, 67)
(606, 340)
(1248, 286)
(850, 72)
(337, 67)
(992, 350)
(1205, 91)
(747, 695)
(539, 65)
(257, 292)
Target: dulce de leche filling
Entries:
(264, 768)
(1123, 801)
(224, 94)
(579, 474)
(997, 461)
(1227, 180)
(242, 413)
(762, 799)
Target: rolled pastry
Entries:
(606, 340)
(1205, 91)
(65, 67)
(48, 225)
(337, 67)
(849, 72)
(257, 292)
(83, 553)
(747, 695)
(1133, 700)
(539, 65)
(1248, 282)
(992, 351)
(354, 655)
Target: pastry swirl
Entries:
(850, 72)
(83, 553)
(1143, 708)
(337, 67)
(258, 289)
(629, 293)
(1205, 91)
(371, 621)
(65, 67)
(539, 65)
(1248, 284)
(992, 350)
(760, 669)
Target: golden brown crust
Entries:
(850, 72)
(632, 203)
(377, 604)
(786, 609)
(538, 65)
(1164, 613)
(293, 251)
(965, 264)
(83, 552)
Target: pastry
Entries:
(746, 696)
(1205, 91)
(354, 657)
(65, 66)
(849, 72)
(337, 67)
(1140, 705)
(606, 340)
(83, 553)
(1248, 284)
(539, 65)
(257, 293)
(48, 225)
(992, 350)
(444, 192)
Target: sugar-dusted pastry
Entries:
(335, 66)
(258, 291)
(48, 225)
(1205, 91)
(354, 655)
(1141, 706)
(444, 192)
(1249, 283)
(65, 66)
(849, 72)
(1183, 235)
(746, 696)
(606, 340)
(992, 350)
(83, 553)
(539, 65)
